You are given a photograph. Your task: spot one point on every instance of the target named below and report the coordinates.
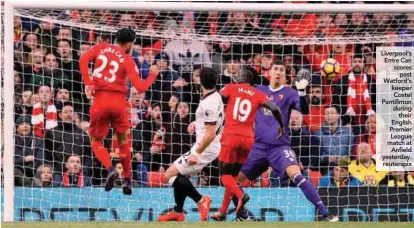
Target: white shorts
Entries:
(205, 158)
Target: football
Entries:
(330, 68)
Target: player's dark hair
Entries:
(208, 78)
(125, 35)
(244, 76)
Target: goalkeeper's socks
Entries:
(125, 158)
(310, 192)
(101, 154)
(231, 183)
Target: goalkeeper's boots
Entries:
(171, 216)
(242, 201)
(331, 218)
(110, 179)
(126, 187)
(218, 216)
(204, 207)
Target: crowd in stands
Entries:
(334, 143)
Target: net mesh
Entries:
(52, 143)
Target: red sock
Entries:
(231, 183)
(227, 197)
(125, 158)
(102, 154)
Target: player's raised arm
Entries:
(277, 113)
(135, 78)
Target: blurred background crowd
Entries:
(334, 142)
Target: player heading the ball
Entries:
(108, 87)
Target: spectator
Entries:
(181, 137)
(364, 168)
(398, 179)
(44, 113)
(192, 92)
(168, 81)
(354, 91)
(50, 74)
(358, 25)
(84, 46)
(33, 68)
(238, 24)
(186, 52)
(140, 108)
(24, 105)
(70, 66)
(336, 140)
(74, 176)
(30, 43)
(67, 139)
(409, 30)
(341, 20)
(62, 97)
(120, 171)
(267, 61)
(315, 118)
(231, 70)
(43, 176)
(47, 32)
(153, 140)
(339, 176)
(368, 136)
(306, 147)
(343, 57)
(27, 149)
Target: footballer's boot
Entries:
(171, 216)
(110, 179)
(204, 207)
(126, 187)
(218, 216)
(242, 216)
(242, 201)
(331, 218)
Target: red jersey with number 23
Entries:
(243, 102)
(112, 67)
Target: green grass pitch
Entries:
(207, 224)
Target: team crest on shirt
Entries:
(270, 97)
(280, 96)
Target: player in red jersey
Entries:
(113, 65)
(238, 135)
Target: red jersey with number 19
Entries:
(243, 102)
(112, 67)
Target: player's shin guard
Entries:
(230, 183)
(102, 154)
(310, 192)
(125, 158)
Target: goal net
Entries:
(57, 177)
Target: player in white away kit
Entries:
(208, 125)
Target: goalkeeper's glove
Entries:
(301, 86)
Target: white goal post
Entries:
(9, 11)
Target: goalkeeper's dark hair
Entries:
(208, 78)
(278, 62)
(125, 35)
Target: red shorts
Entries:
(108, 108)
(235, 149)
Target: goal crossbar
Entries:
(190, 6)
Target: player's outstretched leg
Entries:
(125, 158)
(183, 188)
(310, 192)
(103, 156)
